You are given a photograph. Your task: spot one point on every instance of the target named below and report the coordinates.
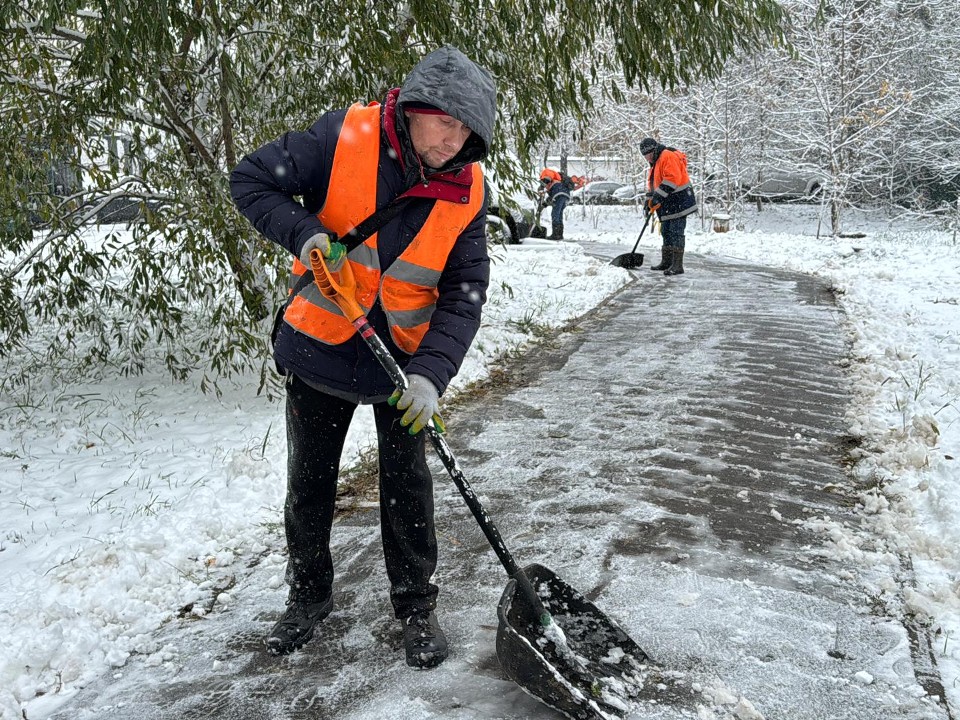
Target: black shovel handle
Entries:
(642, 231)
(390, 364)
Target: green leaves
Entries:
(191, 86)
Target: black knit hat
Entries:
(648, 145)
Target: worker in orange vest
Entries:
(556, 189)
(670, 195)
(422, 278)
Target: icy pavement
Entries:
(669, 457)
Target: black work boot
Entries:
(423, 640)
(664, 258)
(295, 628)
(676, 265)
(557, 233)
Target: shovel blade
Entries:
(592, 675)
(628, 260)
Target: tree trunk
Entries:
(835, 216)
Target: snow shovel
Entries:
(633, 259)
(538, 230)
(566, 653)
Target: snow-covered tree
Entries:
(864, 94)
(924, 147)
(848, 53)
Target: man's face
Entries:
(648, 157)
(436, 138)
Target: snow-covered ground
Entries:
(123, 501)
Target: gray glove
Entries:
(420, 400)
(333, 251)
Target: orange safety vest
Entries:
(408, 289)
(671, 167)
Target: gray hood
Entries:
(452, 82)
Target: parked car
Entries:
(630, 194)
(598, 192)
(509, 218)
(125, 210)
(786, 185)
(720, 186)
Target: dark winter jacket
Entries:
(669, 184)
(266, 182)
(557, 190)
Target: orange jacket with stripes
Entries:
(669, 184)
(407, 290)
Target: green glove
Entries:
(420, 401)
(333, 251)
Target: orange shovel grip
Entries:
(339, 287)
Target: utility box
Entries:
(721, 223)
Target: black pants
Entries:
(673, 232)
(316, 430)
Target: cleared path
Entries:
(672, 457)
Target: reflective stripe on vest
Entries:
(408, 290)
